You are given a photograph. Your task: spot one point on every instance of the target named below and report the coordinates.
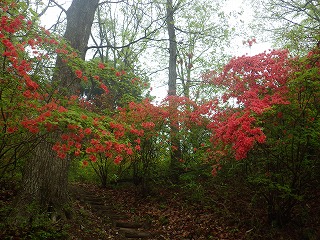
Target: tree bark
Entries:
(172, 91)
(80, 16)
(172, 83)
(45, 178)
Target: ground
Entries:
(167, 213)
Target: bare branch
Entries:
(60, 6)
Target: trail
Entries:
(102, 207)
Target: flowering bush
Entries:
(33, 105)
(250, 87)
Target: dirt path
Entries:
(124, 214)
(101, 206)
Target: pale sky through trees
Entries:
(237, 48)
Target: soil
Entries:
(168, 213)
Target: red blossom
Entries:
(49, 126)
(87, 131)
(34, 129)
(93, 158)
(101, 66)
(148, 125)
(104, 87)
(89, 150)
(30, 84)
(118, 159)
(108, 145)
(62, 109)
(78, 73)
(27, 94)
(129, 151)
(12, 129)
(77, 145)
(56, 147)
(138, 148)
(254, 84)
(62, 155)
(65, 137)
(72, 127)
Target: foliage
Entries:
(273, 123)
(202, 35)
(122, 86)
(88, 135)
(291, 24)
(285, 169)
(250, 87)
(33, 106)
(266, 111)
(41, 227)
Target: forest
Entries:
(124, 119)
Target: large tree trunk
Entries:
(172, 91)
(45, 179)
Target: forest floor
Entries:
(169, 213)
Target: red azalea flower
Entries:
(87, 131)
(78, 73)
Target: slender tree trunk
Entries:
(172, 50)
(45, 179)
(172, 91)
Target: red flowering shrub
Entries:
(32, 106)
(250, 86)
(276, 117)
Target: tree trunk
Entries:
(172, 91)
(172, 50)
(80, 16)
(45, 179)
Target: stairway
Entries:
(105, 210)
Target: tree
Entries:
(293, 24)
(45, 178)
(172, 89)
(267, 116)
(202, 35)
(190, 36)
(249, 87)
(285, 170)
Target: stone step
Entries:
(92, 198)
(117, 217)
(133, 233)
(123, 224)
(95, 203)
(104, 209)
(101, 208)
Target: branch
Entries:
(147, 36)
(104, 2)
(60, 6)
(44, 10)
